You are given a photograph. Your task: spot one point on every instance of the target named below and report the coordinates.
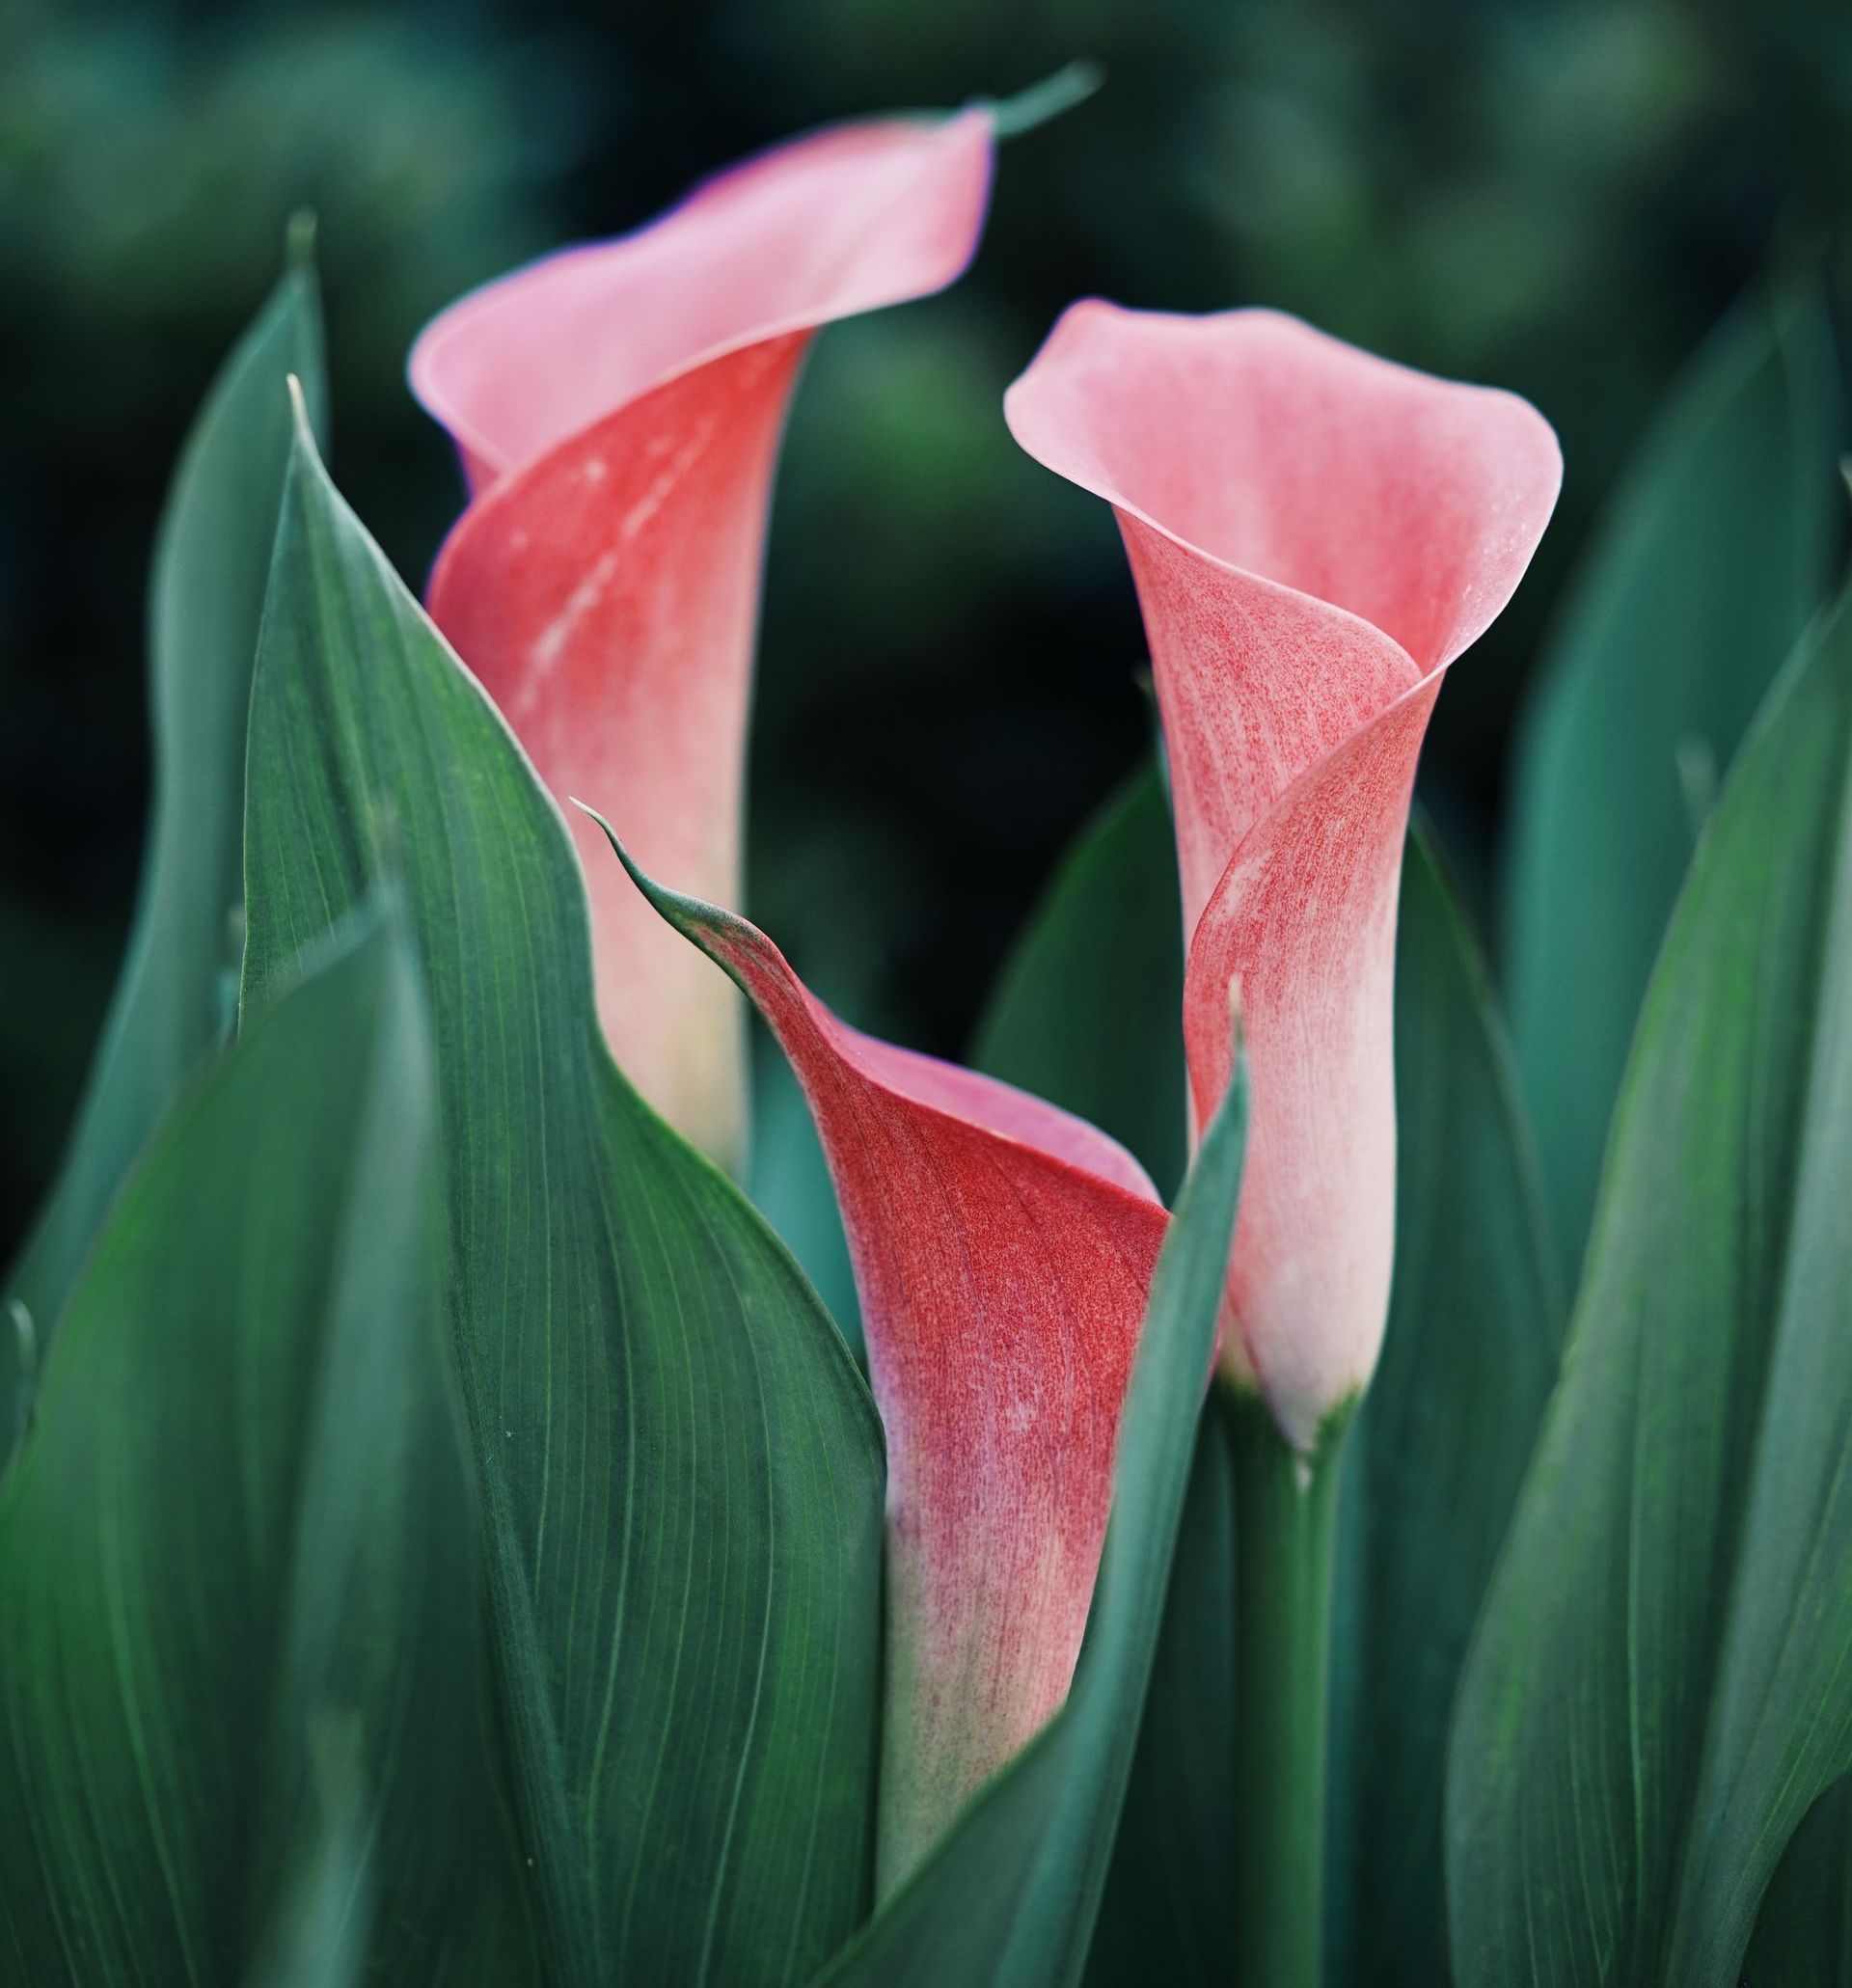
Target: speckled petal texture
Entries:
(618, 410)
(1003, 1253)
(1316, 535)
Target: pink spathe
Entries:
(617, 409)
(1315, 534)
(1003, 1253)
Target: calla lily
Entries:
(617, 411)
(1315, 534)
(1003, 1252)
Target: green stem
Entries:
(1285, 1508)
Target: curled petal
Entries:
(1315, 534)
(1003, 1252)
(617, 409)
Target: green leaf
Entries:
(1659, 1687)
(1438, 1447)
(681, 1465)
(242, 1517)
(315, 1937)
(174, 996)
(1089, 1009)
(1804, 1935)
(1010, 1895)
(1707, 569)
(1165, 1915)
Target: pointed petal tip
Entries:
(689, 915)
(1003, 1261)
(585, 807)
(983, 1104)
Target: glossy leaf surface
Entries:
(680, 1466)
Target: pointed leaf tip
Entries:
(25, 1337)
(354, 685)
(299, 415)
(1011, 116)
(299, 240)
(639, 877)
(679, 910)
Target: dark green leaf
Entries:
(1165, 1914)
(315, 1936)
(1804, 1935)
(1438, 1448)
(1010, 1895)
(681, 1465)
(1658, 1690)
(174, 994)
(1089, 1010)
(1709, 563)
(240, 1521)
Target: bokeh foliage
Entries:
(1562, 197)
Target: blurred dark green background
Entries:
(1557, 198)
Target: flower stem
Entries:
(1285, 1508)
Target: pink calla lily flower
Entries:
(1315, 534)
(618, 410)
(1003, 1252)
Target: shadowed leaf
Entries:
(680, 1466)
(1089, 1008)
(175, 997)
(1438, 1448)
(240, 1526)
(1657, 1691)
(1704, 571)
